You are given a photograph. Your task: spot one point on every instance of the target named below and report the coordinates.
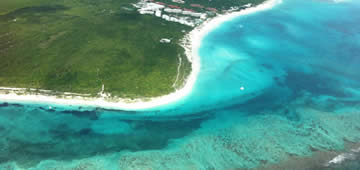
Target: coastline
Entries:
(191, 43)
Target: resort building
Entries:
(169, 10)
(173, 13)
(166, 17)
(165, 40)
(158, 13)
(178, 1)
(146, 12)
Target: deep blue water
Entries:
(299, 65)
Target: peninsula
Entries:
(110, 51)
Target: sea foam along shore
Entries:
(191, 43)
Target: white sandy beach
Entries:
(191, 43)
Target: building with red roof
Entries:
(212, 9)
(197, 5)
(160, 3)
(190, 10)
(174, 6)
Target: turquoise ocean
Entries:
(278, 89)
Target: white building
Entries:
(173, 19)
(203, 16)
(186, 12)
(182, 21)
(190, 24)
(165, 40)
(196, 14)
(158, 13)
(151, 7)
(247, 5)
(169, 10)
(179, 1)
(166, 17)
(146, 12)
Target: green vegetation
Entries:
(217, 4)
(78, 45)
(10, 5)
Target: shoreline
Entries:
(191, 43)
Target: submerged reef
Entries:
(228, 139)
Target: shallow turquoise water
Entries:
(298, 64)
